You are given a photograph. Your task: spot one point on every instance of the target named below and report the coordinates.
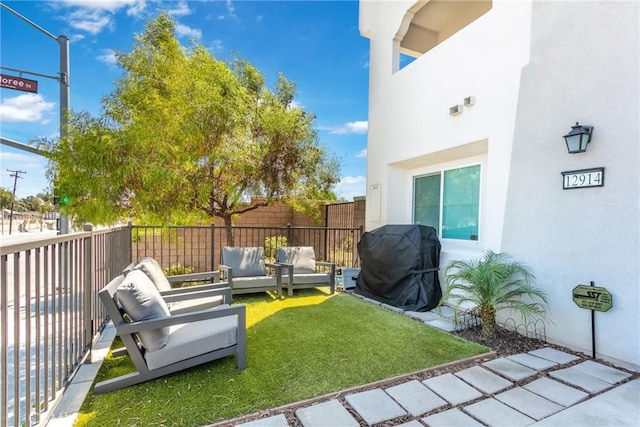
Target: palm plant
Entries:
(492, 283)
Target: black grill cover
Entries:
(399, 266)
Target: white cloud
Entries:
(33, 182)
(24, 108)
(106, 5)
(181, 9)
(137, 8)
(357, 127)
(90, 21)
(216, 46)
(108, 56)
(231, 11)
(362, 154)
(185, 31)
(351, 186)
(93, 16)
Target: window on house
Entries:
(449, 201)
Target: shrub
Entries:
(271, 243)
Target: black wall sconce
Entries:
(578, 138)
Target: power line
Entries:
(15, 175)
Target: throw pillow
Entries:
(140, 300)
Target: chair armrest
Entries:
(190, 294)
(325, 263)
(179, 319)
(211, 276)
(276, 266)
(195, 288)
(289, 267)
(226, 273)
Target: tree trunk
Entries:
(488, 316)
(228, 224)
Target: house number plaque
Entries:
(583, 178)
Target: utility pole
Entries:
(15, 175)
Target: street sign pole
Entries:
(63, 80)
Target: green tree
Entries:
(493, 283)
(185, 137)
(5, 198)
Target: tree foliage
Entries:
(185, 137)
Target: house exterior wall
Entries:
(534, 69)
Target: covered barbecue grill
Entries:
(399, 266)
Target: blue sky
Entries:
(316, 44)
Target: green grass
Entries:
(297, 348)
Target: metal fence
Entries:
(198, 248)
(49, 315)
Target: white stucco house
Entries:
(468, 138)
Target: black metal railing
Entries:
(198, 248)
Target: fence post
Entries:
(213, 246)
(288, 234)
(88, 282)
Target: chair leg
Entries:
(290, 290)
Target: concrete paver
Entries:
(412, 423)
(452, 389)
(556, 392)
(445, 311)
(415, 397)
(444, 324)
(528, 403)
(375, 406)
(617, 407)
(510, 369)
(532, 362)
(602, 372)
(484, 380)
(422, 315)
(554, 355)
(275, 421)
(326, 414)
(494, 413)
(576, 377)
(451, 418)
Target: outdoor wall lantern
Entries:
(578, 138)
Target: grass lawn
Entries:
(297, 348)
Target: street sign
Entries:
(592, 298)
(18, 83)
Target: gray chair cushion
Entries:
(245, 262)
(308, 278)
(303, 258)
(254, 282)
(140, 300)
(152, 269)
(196, 304)
(193, 339)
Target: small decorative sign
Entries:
(583, 178)
(592, 298)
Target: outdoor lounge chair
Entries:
(301, 269)
(161, 343)
(245, 269)
(185, 299)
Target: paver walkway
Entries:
(517, 390)
(489, 394)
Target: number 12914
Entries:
(583, 178)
